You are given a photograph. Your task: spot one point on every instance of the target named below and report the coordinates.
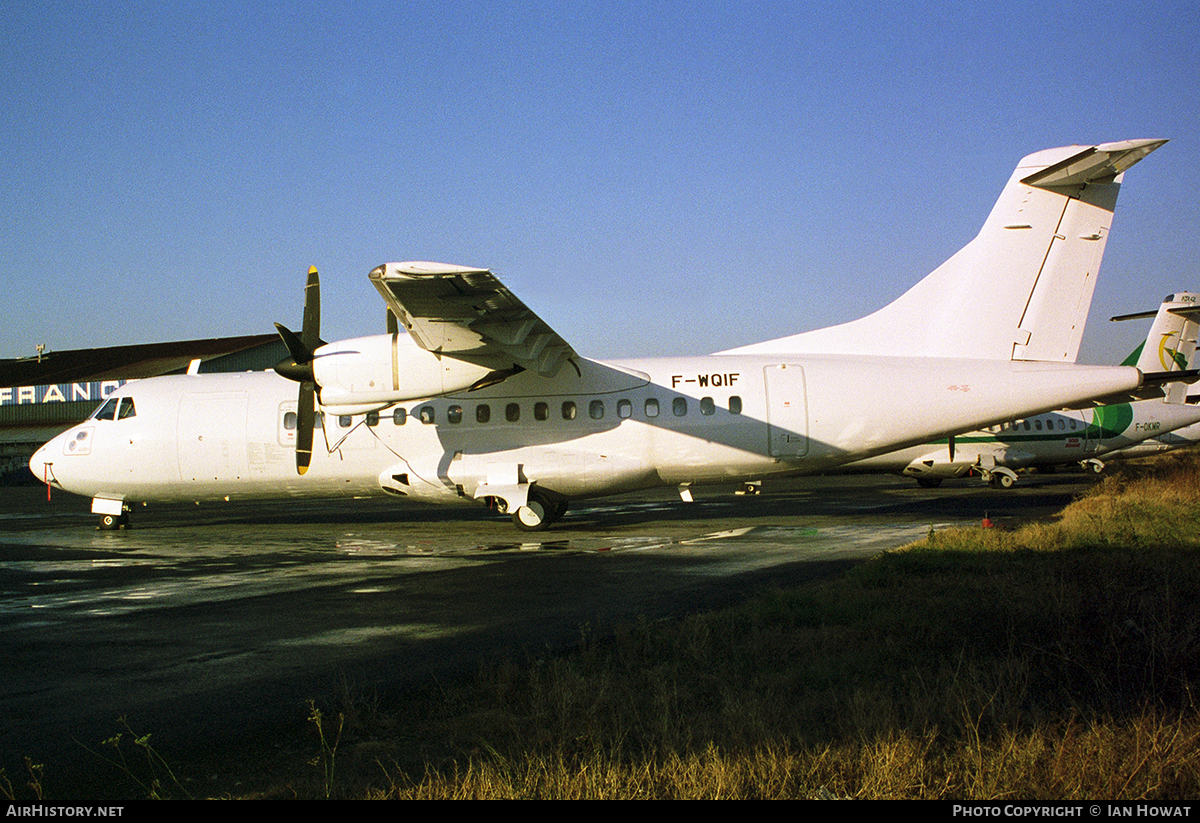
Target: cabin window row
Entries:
(512, 412)
(1036, 425)
(568, 410)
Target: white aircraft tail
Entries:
(1021, 290)
(1171, 342)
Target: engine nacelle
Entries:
(366, 373)
(937, 465)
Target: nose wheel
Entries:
(112, 522)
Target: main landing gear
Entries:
(538, 512)
(1000, 477)
(1002, 481)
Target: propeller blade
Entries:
(299, 367)
(302, 346)
(300, 353)
(305, 421)
(310, 333)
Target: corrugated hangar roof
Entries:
(122, 362)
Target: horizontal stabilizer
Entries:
(1098, 164)
(1171, 341)
(1152, 387)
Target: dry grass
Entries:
(1149, 757)
(1056, 661)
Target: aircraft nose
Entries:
(38, 465)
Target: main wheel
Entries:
(535, 515)
(929, 482)
(1002, 481)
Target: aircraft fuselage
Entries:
(595, 428)
(1037, 440)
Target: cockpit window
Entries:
(108, 411)
(115, 408)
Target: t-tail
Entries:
(1171, 342)
(1021, 290)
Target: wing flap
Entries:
(467, 313)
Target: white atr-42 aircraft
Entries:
(481, 400)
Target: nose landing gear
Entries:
(113, 513)
(112, 522)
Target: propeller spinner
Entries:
(298, 366)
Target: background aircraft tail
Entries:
(1021, 290)
(1171, 342)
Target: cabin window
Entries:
(1073, 422)
(454, 415)
(512, 412)
(568, 410)
(426, 415)
(596, 409)
(373, 418)
(399, 416)
(735, 404)
(483, 413)
(289, 421)
(344, 421)
(541, 411)
(1026, 425)
(707, 406)
(679, 406)
(624, 409)
(651, 407)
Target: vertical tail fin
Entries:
(1171, 342)
(1021, 290)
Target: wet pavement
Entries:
(203, 624)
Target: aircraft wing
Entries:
(468, 314)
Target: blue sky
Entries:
(651, 178)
